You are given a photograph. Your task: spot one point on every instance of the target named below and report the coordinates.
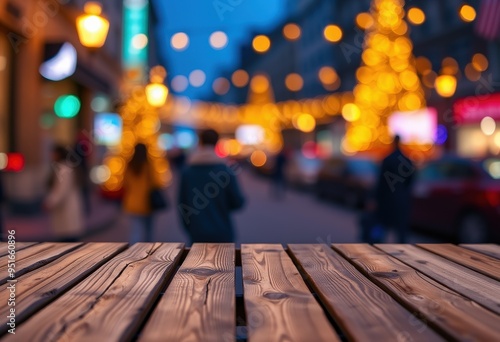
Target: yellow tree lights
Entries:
(140, 125)
(387, 80)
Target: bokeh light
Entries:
(333, 33)
(179, 83)
(351, 112)
(467, 13)
(480, 62)
(259, 84)
(221, 86)
(294, 82)
(364, 20)
(197, 78)
(240, 78)
(218, 40)
(139, 41)
(304, 122)
(100, 174)
(179, 41)
(261, 43)
(67, 106)
(258, 158)
(416, 16)
(292, 31)
(488, 125)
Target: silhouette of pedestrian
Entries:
(208, 193)
(278, 177)
(393, 192)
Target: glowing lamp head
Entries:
(92, 27)
(156, 94)
(446, 85)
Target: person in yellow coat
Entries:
(139, 180)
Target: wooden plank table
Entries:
(167, 292)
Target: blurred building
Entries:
(36, 33)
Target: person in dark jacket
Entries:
(393, 192)
(208, 193)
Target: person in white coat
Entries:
(63, 201)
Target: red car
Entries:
(458, 198)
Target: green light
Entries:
(67, 106)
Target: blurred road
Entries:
(298, 218)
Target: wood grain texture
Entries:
(456, 317)
(363, 311)
(38, 288)
(35, 257)
(19, 246)
(488, 249)
(111, 303)
(470, 284)
(199, 303)
(476, 261)
(278, 304)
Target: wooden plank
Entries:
(455, 316)
(116, 299)
(199, 303)
(19, 246)
(488, 249)
(476, 261)
(470, 284)
(278, 304)
(363, 311)
(36, 289)
(35, 257)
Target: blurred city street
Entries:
(297, 218)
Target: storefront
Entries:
(478, 125)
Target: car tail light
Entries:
(493, 198)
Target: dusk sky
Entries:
(198, 19)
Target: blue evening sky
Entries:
(198, 19)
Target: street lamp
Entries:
(446, 85)
(156, 91)
(92, 27)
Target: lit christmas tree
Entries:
(387, 80)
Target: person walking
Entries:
(208, 193)
(139, 181)
(63, 201)
(393, 192)
(278, 177)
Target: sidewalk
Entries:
(37, 228)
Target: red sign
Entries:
(473, 109)
(15, 162)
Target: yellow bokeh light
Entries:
(233, 147)
(364, 20)
(292, 32)
(333, 33)
(294, 82)
(328, 75)
(240, 78)
(261, 44)
(259, 84)
(467, 13)
(416, 16)
(305, 122)
(351, 112)
(179, 41)
(449, 66)
(480, 62)
(258, 158)
(446, 85)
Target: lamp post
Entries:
(92, 27)
(446, 85)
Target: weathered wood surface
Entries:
(37, 289)
(199, 303)
(278, 304)
(4, 250)
(29, 259)
(476, 261)
(456, 317)
(488, 249)
(471, 284)
(362, 310)
(116, 299)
